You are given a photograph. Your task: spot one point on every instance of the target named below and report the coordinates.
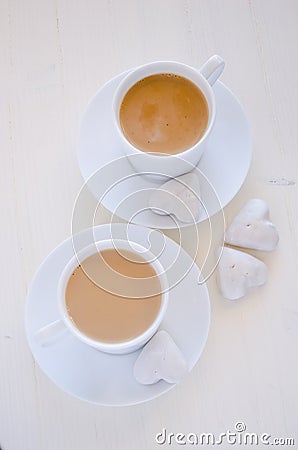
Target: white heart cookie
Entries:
(237, 272)
(251, 228)
(180, 197)
(160, 359)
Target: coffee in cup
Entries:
(102, 314)
(164, 113)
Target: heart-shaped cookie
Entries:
(237, 272)
(179, 197)
(160, 359)
(251, 228)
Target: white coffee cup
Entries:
(178, 164)
(49, 333)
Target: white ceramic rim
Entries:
(154, 68)
(120, 244)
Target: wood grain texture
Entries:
(53, 56)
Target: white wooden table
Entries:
(54, 55)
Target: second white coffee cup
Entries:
(178, 164)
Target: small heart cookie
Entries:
(179, 197)
(160, 359)
(251, 228)
(237, 272)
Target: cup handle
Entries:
(49, 333)
(212, 69)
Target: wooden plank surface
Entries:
(53, 56)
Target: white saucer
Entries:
(225, 165)
(106, 379)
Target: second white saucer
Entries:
(126, 194)
(106, 379)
